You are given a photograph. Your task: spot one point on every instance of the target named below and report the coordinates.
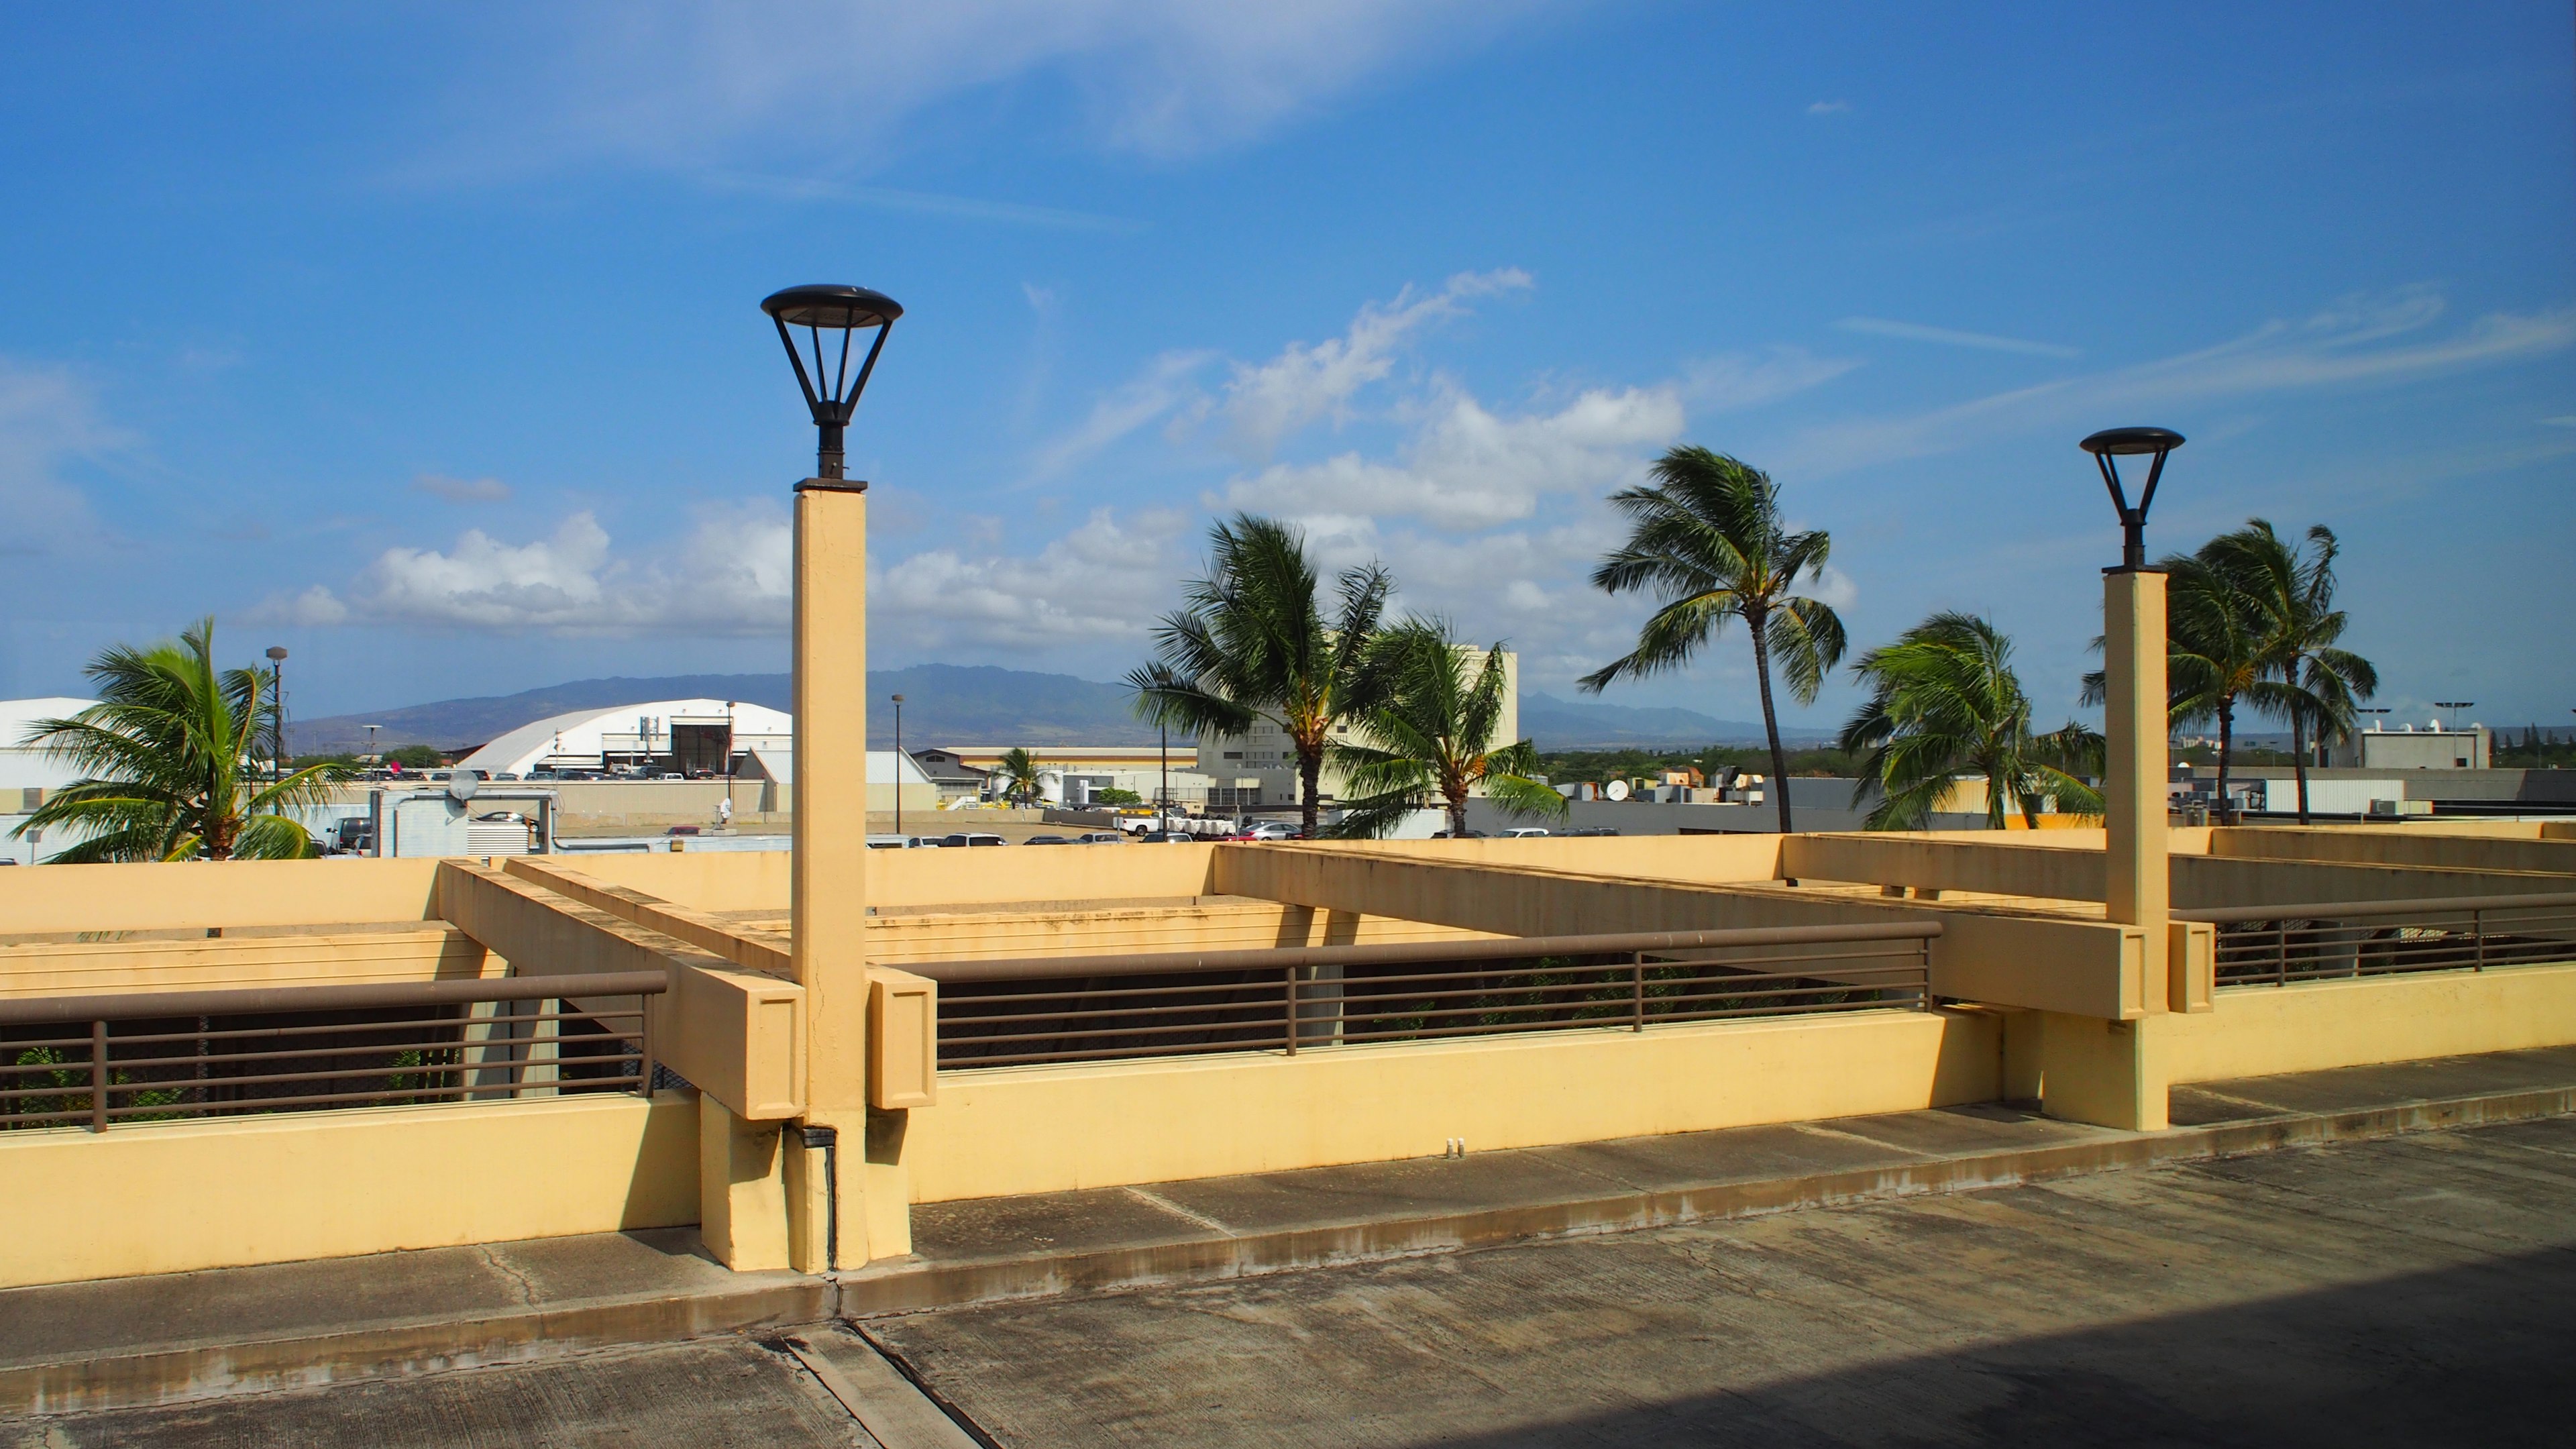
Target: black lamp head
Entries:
(2113, 443)
(834, 394)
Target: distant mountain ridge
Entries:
(944, 704)
(960, 704)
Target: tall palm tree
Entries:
(1255, 641)
(2289, 594)
(165, 757)
(1430, 737)
(1019, 771)
(1944, 702)
(1707, 538)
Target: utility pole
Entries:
(277, 713)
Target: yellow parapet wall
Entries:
(173, 1197)
(2257, 1031)
(205, 894)
(1044, 1129)
(433, 952)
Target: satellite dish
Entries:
(461, 785)
(1616, 790)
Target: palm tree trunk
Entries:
(2226, 736)
(1457, 801)
(1770, 719)
(2299, 759)
(1310, 775)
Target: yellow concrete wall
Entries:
(2219, 881)
(758, 880)
(438, 952)
(173, 1197)
(2402, 846)
(1043, 1129)
(706, 880)
(1698, 859)
(203, 893)
(2055, 864)
(2309, 1026)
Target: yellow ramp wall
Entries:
(436, 952)
(1044, 1129)
(197, 894)
(2256, 1031)
(173, 1197)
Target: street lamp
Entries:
(2113, 443)
(2136, 729)
(898, 764)
(2454, 704)
(277, 712)
(828, 868)
(841, 311)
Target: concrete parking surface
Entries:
(2415, 1290)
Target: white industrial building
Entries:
(26, 773)
(2408, 748)
(682, 736)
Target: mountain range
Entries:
(950, 704)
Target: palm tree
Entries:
(1254, 642)
(2289, 593)
(1019, 771)
(165, 761)
(1944, 702)
(1708, 539)
(1430, 737)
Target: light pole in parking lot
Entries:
(2135, 727)
(277, 712)
(900, 760)
(829, 865)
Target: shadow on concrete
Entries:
(2478, 1354)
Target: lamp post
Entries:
(829, 871)
(277, 712)
(899, 759)
(2135, 725)
(2447, 705)
(371, 741)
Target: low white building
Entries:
(27, 774)
(677, 735)
(2408, 748)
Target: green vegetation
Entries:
(1598, 767)
(1116, 797)
(1944, 702)
(1708, 540)
(1254, 641)
(418, 757)
(1018, 770)
(2534, 751)
(166, 760)
(1433, 733)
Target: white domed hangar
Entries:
(692, 737)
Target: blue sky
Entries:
(423, 340)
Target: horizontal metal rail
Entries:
(1497, 948)
(2276, 945)
(156, 1056)
(1081, 1009)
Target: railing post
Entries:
(1288, 981)
(2478, 934)
(1923, 951)
(644, 1047)
(2281, 935)
(98, 1076)
(1638, 1021)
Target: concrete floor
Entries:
(2415, 1290)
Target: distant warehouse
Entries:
(694, 737)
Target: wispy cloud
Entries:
(920, 203)
(1747, 380)
(1166, 383)
(1267, 401)
(1829, 108)
(2563, 420)
(1951, 337)
(2357, 342)
(462, 490)
(49, 415)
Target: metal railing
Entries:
(2276, 945)
(1072, 1009)
(165, 1055)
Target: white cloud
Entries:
(1950, 337)
(1103, 581)
(1828, 108)
(1168, 382)
(462, 490)
(1465, 467)
(1304, 383)
(48, 417)
(695, 83)
(2356, 342)
(1744, 380)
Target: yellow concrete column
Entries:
(2137, 873)
(831, 822)
(742, 1189)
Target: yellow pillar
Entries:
(742, 1189)
(831, 825)
(2138, 873)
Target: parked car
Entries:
(900, 842)
(1046, 840)
(1462, 835)
(671, 775)
(1269, 830)
(963, 839)
(1098, 837)
(1526, 832)
(1596, 830)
